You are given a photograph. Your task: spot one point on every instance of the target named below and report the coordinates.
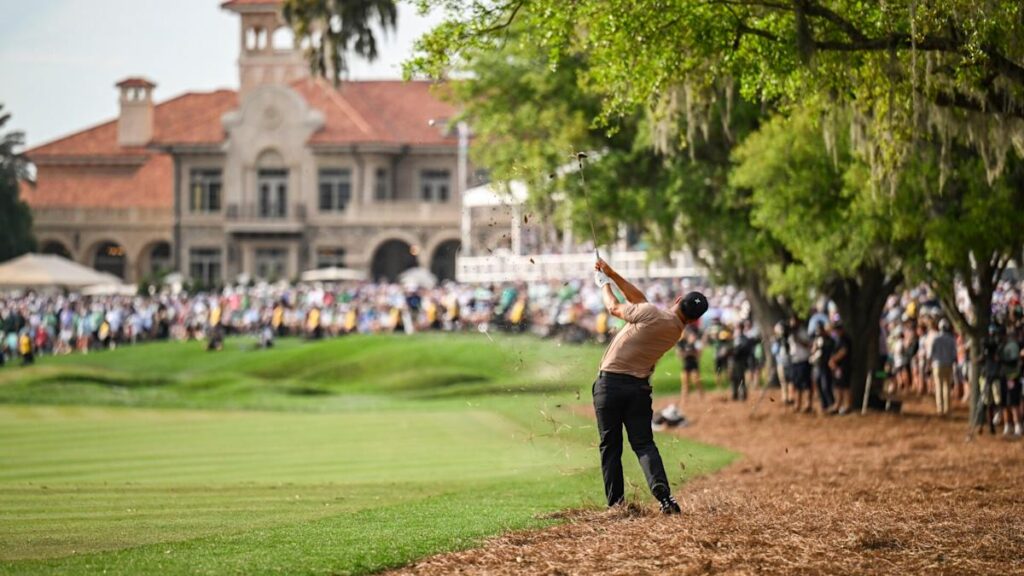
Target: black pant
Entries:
(823, 378)
(738, 382)
(620, 400)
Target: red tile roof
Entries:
(192, 118)
(148, 186)
(384, 112)
(90, 168)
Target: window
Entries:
(205, 186)
(271, 263)
(273, 193)
(434, 185)
(382, 190)
(328, 257)
(204, 265)
(335, 190)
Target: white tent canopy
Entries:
(493, 195)
(50, 271)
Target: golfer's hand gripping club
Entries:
(600, 277)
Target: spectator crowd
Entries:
(920, 353)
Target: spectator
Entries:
(943, 353)
(1009, 392)
(25, 348)
(799, 355)
(822, 348)
(688, 349)
(841, 364)
(742, 354)
(783, 366)
(991, 377)
(723, 352)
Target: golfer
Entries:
(622, 391)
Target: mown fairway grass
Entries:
(341, 456)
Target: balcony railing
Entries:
(249, 211)
(562, 267)
(391, 213)
(249, 217)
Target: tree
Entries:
(917, 78)
(903, 68)
(530, 113)
(967, 232)
(834, 223)
(334, 28)
(15, 218)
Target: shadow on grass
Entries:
(101, 379)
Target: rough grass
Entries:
(342, 456)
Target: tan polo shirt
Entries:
(648, 334)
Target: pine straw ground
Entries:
(880, 494)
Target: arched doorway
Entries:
(391, 259)
(155, 260)
(110, 258)
(442, 263)
(56, 247)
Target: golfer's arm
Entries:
(632, 293)
(615, 308)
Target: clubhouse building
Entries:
(286, 174)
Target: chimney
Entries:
(135, 124)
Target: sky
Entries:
(60, 59)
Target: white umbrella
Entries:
(49, 271)
(110, 290)
(420, 277)
(332, 274)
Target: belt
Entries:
(613, 375)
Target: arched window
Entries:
(442, 262)
(110, 258)
(283, 39)
(391, 259)
(250, 39)
(55, 247)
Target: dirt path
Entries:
(879, 494)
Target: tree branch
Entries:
(1004, 65)
(995, 100)
(508, 22)
(742, 29)
(813, 9)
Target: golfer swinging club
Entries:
(622, 391)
